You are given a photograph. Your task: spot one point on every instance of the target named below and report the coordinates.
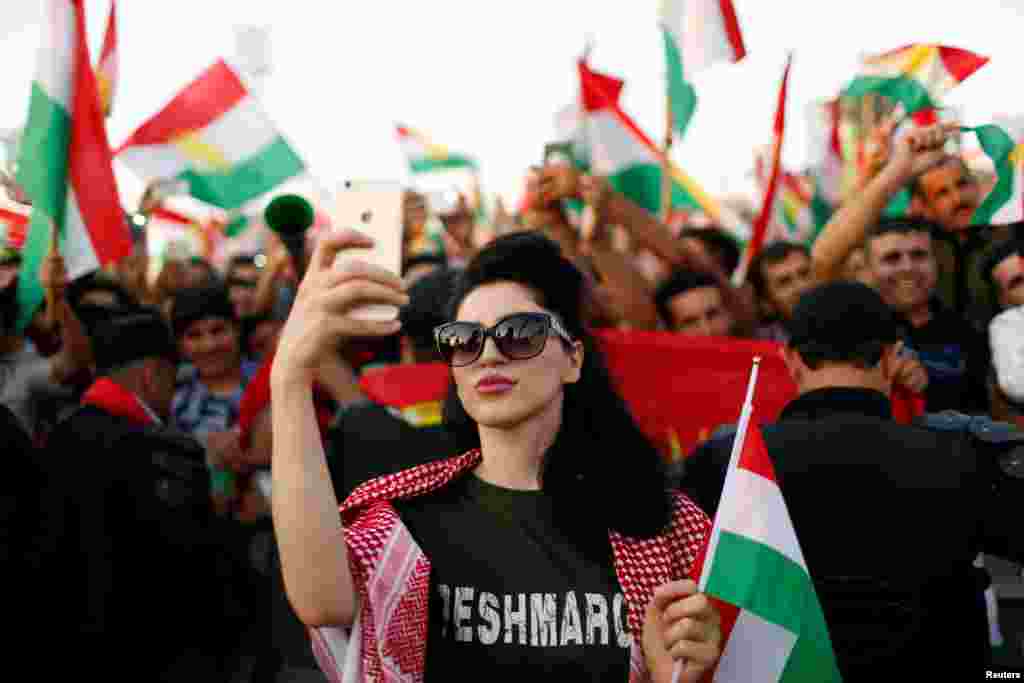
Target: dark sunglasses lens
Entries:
(460, 343)
(521, 336)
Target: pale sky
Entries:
(486, 78)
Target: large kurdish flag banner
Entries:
(664, 378)
(1003, 142)
(216, 136)
(917, 76)
(65, 162)
(633, 164)
(773, 627)
(424, 156)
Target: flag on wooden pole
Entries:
(753, 570)
(65, 161)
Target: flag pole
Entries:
(666, 165)
(737, 448)
(52, 315)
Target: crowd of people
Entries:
(181, 446)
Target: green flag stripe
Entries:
(43, 162)
(997, 145)
(427, 165)
(642, 184)
(30, 291)
(265, 170)
(681, 95)
(906, 90)
(757, 578)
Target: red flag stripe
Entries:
(171, 216)
(732, 29)
(754, 456)
(960, 63)
(90, 165)
(215, 92)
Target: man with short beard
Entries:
(944, 192)
(901, 262)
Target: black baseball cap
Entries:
(842, 316)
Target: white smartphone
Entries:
(374, 208)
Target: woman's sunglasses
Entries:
(518, 337)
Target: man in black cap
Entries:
(890, 517)
(134, 566)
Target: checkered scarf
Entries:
(388, 640)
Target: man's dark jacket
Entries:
(889, 518)
(141, 576)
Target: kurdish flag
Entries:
(424, 156)
(216, 136)
(106, 70)
(65, 162)
(1003, 142)
(773, 627)
(696, 34)
(917, 75)
(633, 164)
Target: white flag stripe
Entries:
(412, 148)
(757, 650)
(613, 148)
(753, 507)
(80, 256)
(241, 132)
(737, 448)
(56, 55)
(154, 161)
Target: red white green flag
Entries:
(216, 136)
(696, 34)
(424, 156)
(107, 69)
(764, 218)
(917, 75)
(65, 162)
(773, 627)
(618, 149)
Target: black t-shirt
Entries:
(368, 440)
(510, 593)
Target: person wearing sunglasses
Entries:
(549, 547)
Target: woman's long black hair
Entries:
(601, 472)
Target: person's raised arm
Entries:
(633, 301)
(75, 353)
(848, 227)
(307, 523)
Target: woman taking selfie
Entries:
(548, 547)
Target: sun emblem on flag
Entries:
(204, 156)
(1016, 157)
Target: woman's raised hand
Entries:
(320, 317)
